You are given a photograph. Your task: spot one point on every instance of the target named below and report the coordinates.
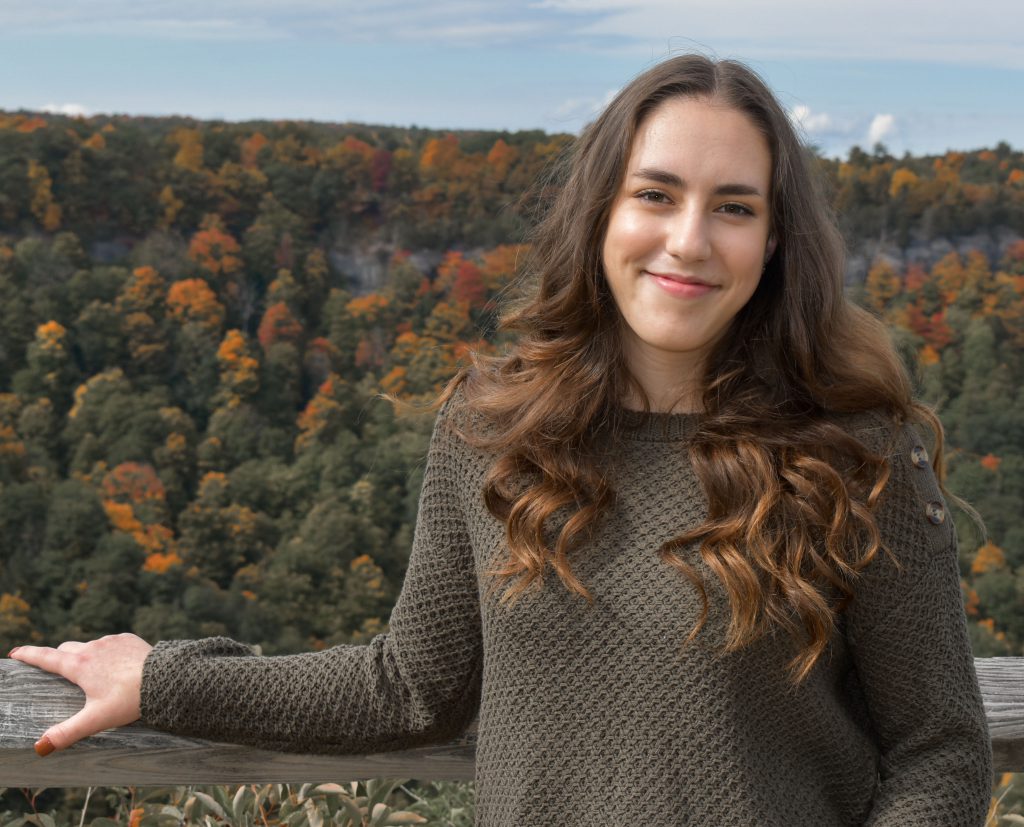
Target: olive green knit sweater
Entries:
(595, 715)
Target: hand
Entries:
(108, 670)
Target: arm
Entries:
(908, 636)
(415, 684)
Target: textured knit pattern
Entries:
(597, 715)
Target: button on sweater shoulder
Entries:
(596, 714)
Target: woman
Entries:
(756, 615)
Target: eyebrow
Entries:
(670, 179)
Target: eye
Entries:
(733, 208)
(653, 196)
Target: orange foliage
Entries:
(133, 482)
(928, 355)
(989, 558)
(369, 354)
(160, 562)
(319, 411)
(50, 336)
(97, 141)
(1016, 176)
(122, 517)
(251, 147)
(501, 158)
(902, 179)
(192, 300)
(216, 251)
(394, 381)
(915, 278)
(368, 308)
(440, 154)
(499, 266)
(990, 462)
(144, 292)
(990, 624)
(278, 324)
(239, 371)
(30, 124)
(971, 599)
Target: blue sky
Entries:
(919, 76)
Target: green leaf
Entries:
(405, 817)
(316, 819)
(211, 805)
(331, 789)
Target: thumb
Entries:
(82, 724)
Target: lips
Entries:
(680, 279)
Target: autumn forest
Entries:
(198, 317)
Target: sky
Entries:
(919, 76)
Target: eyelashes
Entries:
(658, 197)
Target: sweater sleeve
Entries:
(416, 684)
(908, 636)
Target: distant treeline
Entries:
(190, 442)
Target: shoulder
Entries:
(461, 414)
(911, 511)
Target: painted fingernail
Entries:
(15, 649)
(44, 746)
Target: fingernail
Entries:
(15, 649)
(44, 746)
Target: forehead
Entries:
(697, 139)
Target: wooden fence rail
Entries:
(32, 700)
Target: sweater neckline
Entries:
(657, 427)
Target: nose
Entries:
(688, 235)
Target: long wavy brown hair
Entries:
(790, 493)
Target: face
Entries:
(688, 234)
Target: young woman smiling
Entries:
(755, 615)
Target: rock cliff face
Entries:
(926, 252)
(366, 267)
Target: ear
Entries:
(769, 249)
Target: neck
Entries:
(670, 380)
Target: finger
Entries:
(82, 724)
(45, 657)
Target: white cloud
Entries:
(782, 29)
(840, 29)
(74, 110)
(882, 126)
(573, 113)
(811, 121)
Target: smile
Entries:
(684, 289)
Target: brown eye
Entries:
(654, 196)
(736, 209)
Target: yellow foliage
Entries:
(928, 356)
(190, 149)
(97, 141)
(175, 444)
(172, 205)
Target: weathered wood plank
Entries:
(32, 700)
(1002, 691)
